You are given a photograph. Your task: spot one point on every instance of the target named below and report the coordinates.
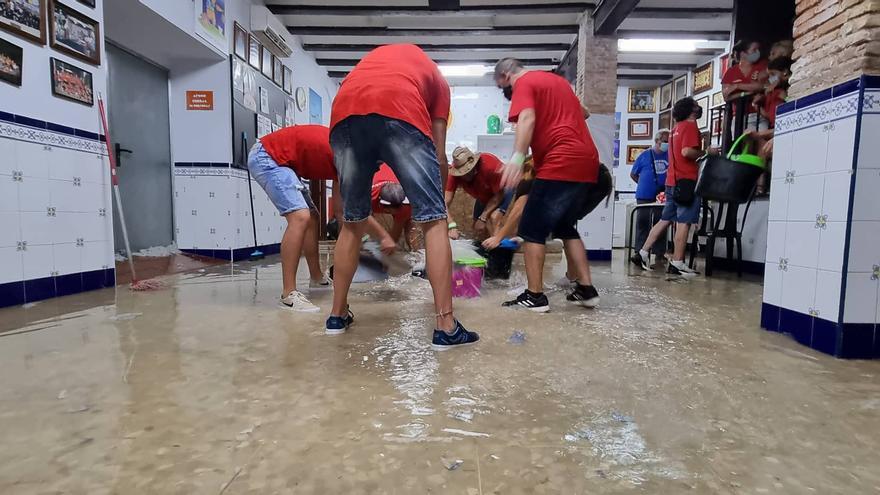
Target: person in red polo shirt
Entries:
(480, 176)
(278, 162)
(746, 78)
(550, 119)
(393, 107)
(387, 197)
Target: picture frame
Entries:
(642, 100)
(287, 85)
(703, 122)
(703, 78)
(11, 57)
(87, 3)
(679, 88)
(240, 42)
(664, 120)
(717, 99)
(277, 72)
(74, 33)
(30, 23)
(267, 62)
(666, 96)
(640, 128)
(634, 150)
(255, 53)
(71, 83)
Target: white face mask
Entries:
(773, 79)
(664, 147)
(753, 57)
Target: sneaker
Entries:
(296, 301)
(337, 325)
(460, 338)
(584, 295)
(640, 261)
(324, 283)
(531, 301)
(673, 271)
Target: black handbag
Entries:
(684, 191)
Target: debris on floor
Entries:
(125, 316)
(451, 465)
(517, 337)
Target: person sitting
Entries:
(479, 174)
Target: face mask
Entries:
(664, 147)
(508, 92)
(773, 79)
(753, 57)
(698, 112)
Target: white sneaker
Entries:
(683, 269)
(296, 301)
(324, 283)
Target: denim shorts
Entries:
(673, 212)
(502, 207)
(554, 207)
(286, 191)
(361, 142)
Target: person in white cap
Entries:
(479, 174)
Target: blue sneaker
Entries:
(462, 337)
(337, 325)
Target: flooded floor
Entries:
(207, 387)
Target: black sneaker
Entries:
(460, 338)
(584, 295)
(337, 325)
(531, 301)
(640, 262)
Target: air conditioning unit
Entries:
(268, 29)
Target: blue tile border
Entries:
(847, 340)
(50, 126)
(27, 291)
(27, 129)
(202, 164)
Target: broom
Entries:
(136, 284)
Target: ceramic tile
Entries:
(802, 244)
(775, 240)
(861, 301)
(798, 289)
(832, 240)
(92, 227)
(67, 258)
(65, 164)
(95, 169)
(864, 246)
(805, 197)
(97, 255)
(835, 196)
(37, 228)
(782, 155)
(66, 227)
(866, 204)
(33, 194)
(826, 304)
(7, 152)
(778, 208)
(772, 283)
(37, 262)
(32, 159)
(8, 193)
(869, 145)
(65, 195)
(10, 228)
(809, 150)
(841, 144)
(11, 265)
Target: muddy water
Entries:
(206, 387)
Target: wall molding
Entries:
(23, 128)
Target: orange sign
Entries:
(199, 100)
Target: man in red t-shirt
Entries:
(278, 162)
(480, 176)
(387, 197)
(550, 119)
(393, 108)
(685, 148)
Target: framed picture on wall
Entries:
(641, 100)
(74, 34)
(703, 122)
(640, 128)
(716, 124)
(288, 80)
(717, 99)
(634, 150)
(254, 52)
(679, 88)
(25, 18)
(267, 63)
(240, 42)
(666, 96)
(71, 83)
(664, 120)
(10, 62)
(703, 77)
(277, 71)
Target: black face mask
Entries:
(508, 92)
(698, 112)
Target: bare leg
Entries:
(571, 272)
(680, 240)
(534, 257)
(439, 265)
(291, 247)
(310, 249)
(345, 260)
(579, 265)
(656, 232)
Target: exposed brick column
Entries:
(596, 83)
(833, 41)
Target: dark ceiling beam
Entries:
(677, 35)
(644, 77)
(526, 60)
(358, 10)
(653, 66)
(610, 14)
(442, 47)
(678, 13)
(502, 30)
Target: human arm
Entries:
(492, 205)
(336, 201)
(377, 232)
(511, 223)
(525, 128)
(438, 129)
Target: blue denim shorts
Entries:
(554, 207)
(361, 142)
(286, 191)
(502, 207)
(673, 212)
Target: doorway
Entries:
(140, 130)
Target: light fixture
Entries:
(649, 45)
(465, 70)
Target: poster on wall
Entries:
(264, 125)
(249, 85)
(10, 62)
(211, 22)
(24, 18)
(289, 105)
(74, 34)
(71, 83)
(316, 108)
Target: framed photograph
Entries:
(641, 100)
(288, 80)
(25, 18)
(716, 123)
(664, 120)
(278, 71)
(71, 83)
(74, 34)
(210, 22)
(10, 62)
(640, 128)
(717, 99)
(255, 50)
(267, 62)
(679, 88)
(666, 96)
(240, 42)
(88, 3)
(634, 150)
(703, 122)
(703, 78)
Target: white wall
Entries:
(621, 174)
(471, 107)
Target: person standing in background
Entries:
(649, 173)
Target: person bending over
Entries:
(479, 174)
(387, 197)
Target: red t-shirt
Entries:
(561, 144)
(384, 176)
(685, 134)
(772, 100)
(735, 75)
(304, 148)
(485, 184)
(396, 81)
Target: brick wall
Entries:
(834, 40)
(596, 83)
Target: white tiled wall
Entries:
(471, 106)
(55, 211)
(754, 233)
